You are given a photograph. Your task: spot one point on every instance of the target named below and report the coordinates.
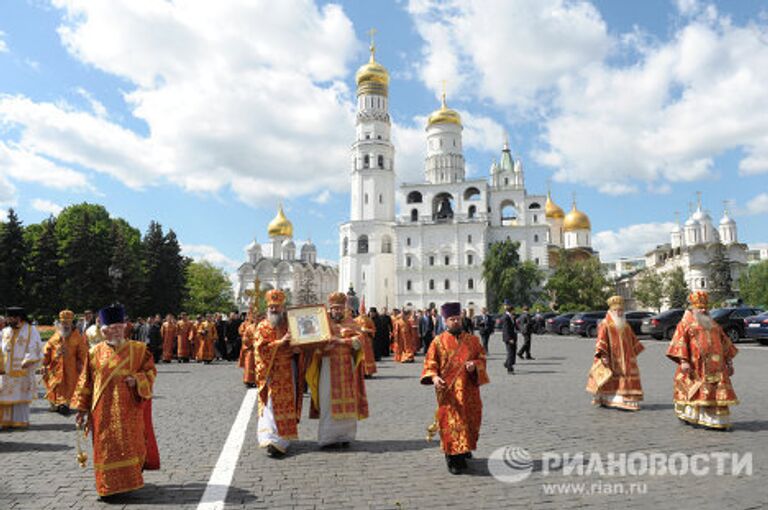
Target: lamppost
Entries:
(115, 274)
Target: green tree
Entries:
(175, 265)
(84, 233)
(126, 258)
(43, 285)
(13, 261)
(676, 289)
(209, 289)
(720, 281)
(753, 284)
(649, 290)
(577, 285)
(306, 294)
(507, 278)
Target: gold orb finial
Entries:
(372, 78)
(444, 115)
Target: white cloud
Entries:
(46, 206)
(757, 205)
(207, 253)
(323, 197)
(97, 106)
(3, 44)
(631, 241)
(506, 50)
(23, 164)
(222, 106)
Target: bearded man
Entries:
(64, 357)
(278, 376)
(704, 354)
(168, 332)
(455, 365)
(113, 400)
(336, 378)
(616, 349)
(20, 352)
(184, 333)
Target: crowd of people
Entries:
(103, 367)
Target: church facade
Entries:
(422, 244)
(277, 266)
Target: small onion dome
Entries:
(553, 211)
(692, 222)
(280, 226)
(576, 220)
(727, 220)
(372, 78)
(444, 115)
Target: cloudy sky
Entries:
(205, 115)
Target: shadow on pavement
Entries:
(61, 427)
(751, 426)
(382, 446)
(7, 447)
(176, 494)
(656, 407)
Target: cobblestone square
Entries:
(542, 408)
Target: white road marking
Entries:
(218, 485)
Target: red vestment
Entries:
(368, 328)
(63, 360)
(275, 378)
(247, 361)
(459, 407)
(120, 416)
(168, 333)
(621, 347)
(184, 330)
(206, 338)
(402, 334)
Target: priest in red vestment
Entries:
(113, 399)
(455, 364)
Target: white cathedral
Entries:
(276, 266)
(431, 249)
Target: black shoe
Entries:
(520, 356)
(510, 370)
(344, 445)
(461, 461)
(63, 410)
(274, 452)
(453, 467)
(530, 357)
(468, 455)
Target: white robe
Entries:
(18, 385)
(331, 430)
(267, 432)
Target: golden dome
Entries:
(553, 211)
(444, 115)
(576, 220)
(372, 78)
(280, 226)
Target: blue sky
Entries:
(205, 115)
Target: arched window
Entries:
(414, 215)
(472, 194)
(408, 285)
(442, 207)
(508, 212)
(414, 197)
(447, 260)
(536, 238)
(386, 244)
(362, 244)
(431, 260)
(408, 261)
(470, 259)
(447, 284)
(345, 247)
(471, 284)
(366, 161)
(472, 211)
(365, 199)
(534, 205)
(431, 284)
(381, 161)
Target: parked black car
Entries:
(634, 319)
(585, 324)
(662, 325)
(540, 322)
(732, 320)
(560, 324)
(757, 327)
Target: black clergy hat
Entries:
(450, 310)
(16, 311)
(112, 314)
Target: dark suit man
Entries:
(509, 337)
(381, 338)
(486, 328)
(426, 329)
(526, 328)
